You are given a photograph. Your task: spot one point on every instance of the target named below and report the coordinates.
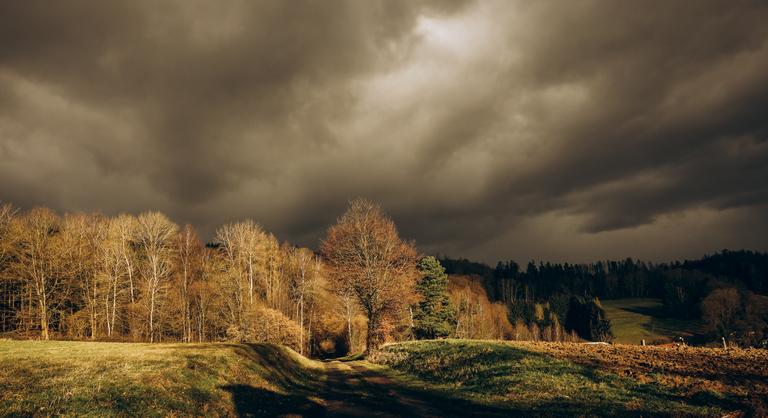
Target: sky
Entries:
(548, 130)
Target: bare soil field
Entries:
(741, 374)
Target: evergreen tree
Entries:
(433, 316)
(587, 318)
(599, 325)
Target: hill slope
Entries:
(570, 378)
(109, 379)
(633, 320)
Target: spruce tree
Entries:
(434, 316)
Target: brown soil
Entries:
(739, 373)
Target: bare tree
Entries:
(112, 269)
(38, 263)
(255, 271)
(349, 307)
(9, 290)
(7, 213)
(273, 275)
(720, 308)
(81, 235)
(155, 234)
(304, 270)
(188, 251)
(242, 243)
(126, 229)
(206, 291)
(238, 292)
(368, 257)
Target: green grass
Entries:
(435, 378)
(518, 379)
(633, 320)
(125, 379)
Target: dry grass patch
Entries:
(120, 379)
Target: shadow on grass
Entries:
(354, 389)
(347, 358)
(255, 402)
(363, 392)
(653, 311)
(283, 369)
(295, 382)
(661, 322)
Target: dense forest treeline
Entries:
(727, 289)
(145, 278)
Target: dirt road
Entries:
(356, 389)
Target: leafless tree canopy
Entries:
(143, 278)
(369, 260)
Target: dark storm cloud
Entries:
(488, 129)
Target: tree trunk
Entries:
(185, 320)
(301, 324)
(44, 319)
(250, 281)
(43, 302)
(129, 268)
(28, 319)
(114, 305)
(309, 332)
(151, 315)
(349, 325)
(413, 325)
(93, 311)
(372, 338)
(106, 311)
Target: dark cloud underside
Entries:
(556, 130)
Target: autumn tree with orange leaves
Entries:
(369, 260)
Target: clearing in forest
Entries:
(634, 320)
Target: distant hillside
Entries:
(727, 278)
(634, 320)
(613, 279)
(748, 267)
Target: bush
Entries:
(272, 326)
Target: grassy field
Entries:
(579, 379)
(123, 379)
(633, 320)
(427, 378)
(39, 378)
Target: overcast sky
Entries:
(556, 130)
